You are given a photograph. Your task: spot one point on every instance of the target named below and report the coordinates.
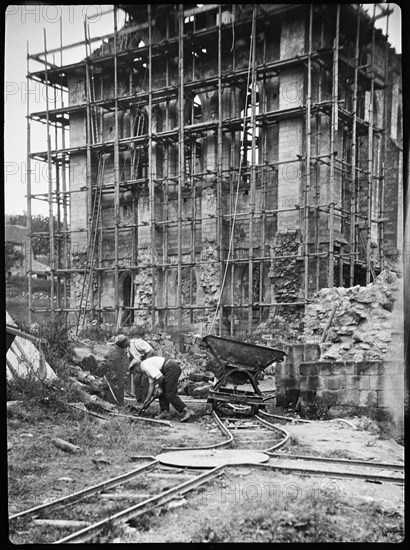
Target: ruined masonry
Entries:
(228, 159)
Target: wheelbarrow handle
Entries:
(269, 397)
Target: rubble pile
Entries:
(361, 328)
(280, 327)
(98, 369)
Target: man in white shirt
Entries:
(164, 373)
(137, 350)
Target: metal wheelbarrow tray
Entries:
(241, 363)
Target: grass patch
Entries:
(268, 517)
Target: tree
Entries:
(11, 256)
(39, 224)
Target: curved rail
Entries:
(278, 429)
(221, 426)
(303, 420)
(231, 438)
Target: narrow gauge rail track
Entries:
(108, 503)
(154, 484)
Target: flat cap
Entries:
(120, 340)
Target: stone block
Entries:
(348, 397)
(364, 382)
(371, 367)
(287, 383)
(298, 352)
(332, 368)
(307, 396)
(279, 374)
(334, 382)
(329, 397)
(381, 400)
(352, 381)
(376, 382)
(325, 367)
(311, 352)
(367, 398)
(287, 397)
(350, 368)
(308, 369)
(313, 382)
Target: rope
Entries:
(239, 172)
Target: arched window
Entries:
(193, 148)
(197, 108)
(139, 128)
(247, 130)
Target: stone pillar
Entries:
(291, 92)
(289, 147)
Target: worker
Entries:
(163, 375)
(137, 350)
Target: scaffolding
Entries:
(172, 153)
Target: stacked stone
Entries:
(361, 328)
(286, 273)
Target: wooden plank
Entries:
(62, 523)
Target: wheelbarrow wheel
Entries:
(254, 409)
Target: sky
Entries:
(24, 26)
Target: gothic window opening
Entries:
(139, 128)
(247, 133)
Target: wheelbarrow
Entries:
(241, 363)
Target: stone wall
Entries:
(324, 384)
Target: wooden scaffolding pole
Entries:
(333, 137)
(384, 147)
(219, 168)
(151, 184)
(28, 185)
(262, 160)
(116, 178)
(253, 171)
(64, 186)
(166, 193)
(317, 195)
(181, 156)
(50, 189)
(193, 144)
(370, 162)
(58, 201)
(308, 137)
(353, 198)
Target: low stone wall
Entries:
(342, 383)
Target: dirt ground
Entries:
(247, 504)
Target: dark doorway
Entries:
(128, 315)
